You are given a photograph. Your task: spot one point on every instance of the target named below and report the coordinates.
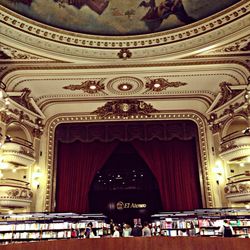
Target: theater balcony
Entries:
(238, 187)
(235, 145)
(15, 193)
(17, 151)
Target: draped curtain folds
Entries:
(168, 148)
(174, 164)
(77, 165)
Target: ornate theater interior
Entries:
(104, 102)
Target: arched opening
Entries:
(125, 188)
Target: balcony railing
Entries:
(15, 193)
(18, 151)
(238, 187)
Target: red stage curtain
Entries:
(174, 164)
(77, 165)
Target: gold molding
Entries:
(199, 119)
(120, 66)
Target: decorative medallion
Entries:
(89, 86)
(125, 108)
(124, 53)
(125, 85)
(160, 84)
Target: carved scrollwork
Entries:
(19, 193)
(242, 45)
(237, 188)
(161, 84)
(89, 86)
(125, 108)
(5, 117)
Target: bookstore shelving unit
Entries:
(42, 226)
(202, 222)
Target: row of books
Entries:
(49, 226)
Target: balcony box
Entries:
(18, 152)
(15, 193)
(235, 146)
(238, 188)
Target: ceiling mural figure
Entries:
(117, 17)
(96, 5)
(156, 14)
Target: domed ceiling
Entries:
(117, 17)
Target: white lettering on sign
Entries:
(120, 205)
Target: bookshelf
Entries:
(35, 227)
(202, 222)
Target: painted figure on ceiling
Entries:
(156, 14)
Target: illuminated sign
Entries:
(120, 205)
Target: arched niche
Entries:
(17, 130)
(238, 123)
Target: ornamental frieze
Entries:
(19, 193)
(237, 188)
(239, 46)
(125, 108)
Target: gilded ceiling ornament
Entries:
(24, 99)
(5, 118)
(125, 108)
(124, 53)
(160, 84)
(242, 45)
(10, 53)
(89, 86)
(226, 93)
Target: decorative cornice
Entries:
(125, 108)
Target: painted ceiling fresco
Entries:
(117, 17)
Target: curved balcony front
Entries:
(15, 193)
(235, 145)
(238, 188)
(18, 152)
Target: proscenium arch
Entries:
(207, 197)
